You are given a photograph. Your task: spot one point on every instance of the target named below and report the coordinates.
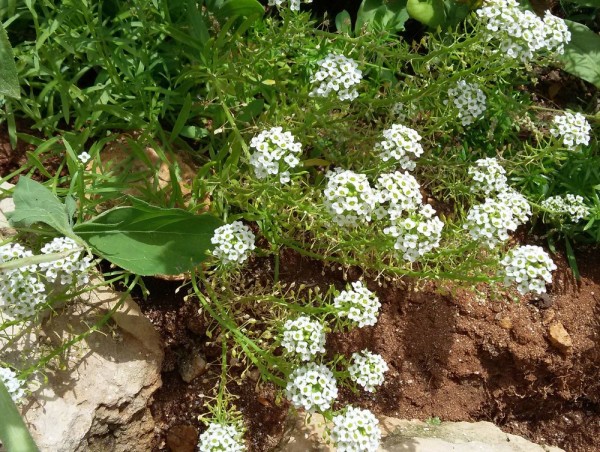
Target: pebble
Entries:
(559, 337)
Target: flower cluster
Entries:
(400, 190)
(312, 387)
(355, 431)
(488, 177)
(529, 267)
(400, 144)
(337, 74)
(20, 289)
(490, 222)
(349, 197)
(233, 242)
(276, 152)
(517, 203)
(523, 33)
(359, 304)
(569, 205)
(294, 4)
(573, 128)
(469, 101)
(72, 268)
(417, 234)
(367, 370)
(304, 336)
(12, 383)
(221, 438)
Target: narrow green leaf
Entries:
(582, 54)
(9, 82)
(13, 431)
(148, 240)
(34, 203)
(183, 116)
(571, 258)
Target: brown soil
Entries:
(462, 356)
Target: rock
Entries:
(192, 366)
(182, 438)
(549, 316)
(98, 397)
(559, 337)
(416, 436)
(6, 205)
(505, 323)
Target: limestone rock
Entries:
(559, 337)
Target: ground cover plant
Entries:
(193, 139)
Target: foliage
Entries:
(582, 54)
(13, 431)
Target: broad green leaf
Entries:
(13, 431)
(224, 9)
(9, 82)
(428, 12)
(588, 3)
(343, 22)
(582, 54)
(34, 203)
(148, 240)
(381, 15)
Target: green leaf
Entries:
(9, 82)
(343, 22)
(13, 431)
(381, 15)
(428, 12)
(582, 54)
(588, 3)
(571, 259)
(148, 240)
(34, 203)
(224, 9)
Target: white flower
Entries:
(569, 205)
(573, 128)
(367, 370)
(356, 431)
(359, 304)
(221, 438)
(304, 336)
(294, 4)
(529, 267)
(417, 234)
(400, 144)
(312, 387)
(234, 242)
(400, 190)
(517, 203)
(469, 101)
(349, 198)
(12, 383)
(71, 269)
(338, 75)
(21, 289)
(490, 222)
(276, 152)
(84, 157)
(488, 177)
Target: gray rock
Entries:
(192, 366)
(6, 205)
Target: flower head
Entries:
(569, 205)
(349, 197)
(294, 4)
(529, 267)
(488, 177)
(468, 100)
(221, 438)
(573, 128)
(490, 222)
(336, 75)
(84, 157)
(234, 242)
(71, 269)
(356, 431)
(275, 153)
(304, 336)
(367, 370)
(13, 385)
(400, 144)
(359, 304)
(400, 190)
(312, 387)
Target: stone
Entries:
(97, 397)
(559, 337)
(400, 435)
(505, 323)
(6, 205)
(182, 438)
(192, 366)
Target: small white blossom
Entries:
(234, 242)
(221, 438)
(557, 33)
(400, 144)
(304, 336)
(336, 75)
(400, 190)
(349, 197)
(367, 370)
(356, 430)
(84, 157)
(294, 4)
(13, 385)
(488, 177)
(312, 387)
(517, 203)
(417, 234)
(276, 152)
(529, 267)
(359, 304)
(569, 205)
(468, 100)
(573, 128)
(490, 222)
(71, 269)
(21, 289)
